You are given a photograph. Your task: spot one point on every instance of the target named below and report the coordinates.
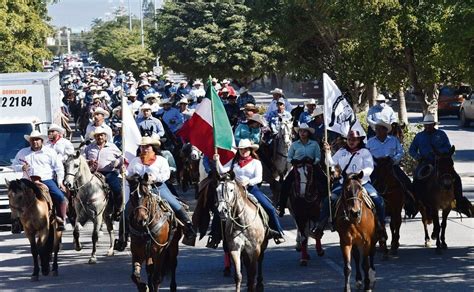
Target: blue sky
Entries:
(78, 14)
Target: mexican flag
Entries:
(209, 128)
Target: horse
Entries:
(436, 192)
(154, 236)
(356, 225)
(398, 131)
(392, 190)
(90, 202)
(245, 231)
(33, 205)
(304, 206)
(190, 157)
(281, 145)
(296, 113)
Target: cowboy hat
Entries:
(55, 127)
(429, 119)
(100, 110)
(197, 82)
(224, 90)
(97, 131)
(149, 141)
(116, 109)
(166, 101)
(380, 97)
(93, 88)
(258, 118)
(183, 100)
(319, 110)
(96, 96)
(183, 82)
(246, 143)
(281, 100)
(384, 124)
(225, 81)
(243, 89)
(35, 134)
(250, 107)
(132, 93)
(144, 83)
(354, 134)
(145, 106)
(277, 91)
(214, 80)
(155, 95)
(304, 126)
(310, 101)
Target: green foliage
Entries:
(221, 39)
(115, 46)
(23, 33)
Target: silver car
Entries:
(466, 112)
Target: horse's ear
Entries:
(145, 177)
(360, 175)
(451, 151)
(78, 153)
(7, 182)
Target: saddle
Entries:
(44, 195)
(104, 183)
(261, 212)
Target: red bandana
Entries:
(244, 161)
(148, 159)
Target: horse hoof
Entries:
(54, 273)
(78, 247)
(427, 243)
(227, 272)
(444, 245)
(320, 252)
(372, 278)
(34, 278)
(298, 247)
(92, 261)
(110, 253)
(303, 262)
(359, 284)
(260, 287)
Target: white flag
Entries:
(338, 114)
(130, 132)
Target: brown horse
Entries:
(356, 225)
(154, 236)
(32, 203)
(304, 203)
(392, 190)
(190, 157)
(436, 192)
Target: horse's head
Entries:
(21, 192)
(72, 166)
(285, 132)
(195, 154)
(383, 164)
(142, 201)
(444, 168)
(351, 194)
(226, 193)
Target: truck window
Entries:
(12, 140)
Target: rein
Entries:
(231, 207)
(344, 205)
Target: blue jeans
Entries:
(336, 193)
(115, 183)
(267, 206)
(166, 194)
(56, 194)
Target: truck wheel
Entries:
(463, 120)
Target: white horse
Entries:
(280, 149)
(90, 202)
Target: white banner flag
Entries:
(130, 132)
(338, 114)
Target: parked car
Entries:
(466, 112)
(450, 99)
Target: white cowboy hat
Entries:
(100, 110)
(380, 97)
(429, 119)
(116, 109)
(35, 134)
(98, 131)
(258, 118)
(149, 141)
(197, 82)
(55, 127)
(281, 100)
(93, 88)
(243, 89)
(304, 126)
(96, 96)
(224, 90)
(214, 80)
(166, 101)
(384, 124)
(144, 83)
(277, 91)
(225, 81)
(132, 93)
(183, 100)
(310, 101)
(246, 143)
(250, 107)
(145, 106)
(319, 110)
(183, 82)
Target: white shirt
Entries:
(273, 106)
(362, 161)
(43, 163)
(197, 92)
(91, 128)
(252, 172)
(63, 148)
(160, 169)
(134, 106)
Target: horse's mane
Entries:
(24, 185)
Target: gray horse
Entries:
(245, 232)
(90, 202)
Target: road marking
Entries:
(334, 266)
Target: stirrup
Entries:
(212, 242)
(279, 239)
(60, 222)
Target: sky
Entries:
(78, 14)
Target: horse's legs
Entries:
(173, 262)
(372, 266)
(346, 255)
(57, 244)
(356, 256)
(226, 263)
(95, 238)
(137, 259)
(260, 272)
(304, 241)
(319, 247)
(76, 233)
(34, 253)
(235, 254)
(43, 246)
(395, 223)
(424, 220)
(443, 228)
(110, 229)
(366, 266)
(436, 230)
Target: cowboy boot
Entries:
(61, 210)
(318, 230)
(120, 244)
(189, 233)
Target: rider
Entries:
(278, 116)
(381, 110)
(301, 151)
(308, 115)
(352, 158)
(61, 145)
(171, 116)
(250, 130)
(248, 172)
(40, 163)
(148, 125)
(104, 157)
(422, 149)
(99, 117)
(244, 97)
(278, 96)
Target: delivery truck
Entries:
(28, 101)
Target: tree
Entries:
(23, 33)
(203, 38)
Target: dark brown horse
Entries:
(393, 192)
(304, 203)
(154, 236)
(189, 157)
(356, 225)
(33, 205)
(436, 192)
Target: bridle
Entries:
(223, 198)
(346, 199)
(74, 175)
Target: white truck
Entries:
(27, 101)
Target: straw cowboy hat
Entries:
(145, 106)
(197, 82)
(225, 81)
(155, 95)
(183, 100)
(354, 134)
(281, 100)
(225, 89)
(250, 107)
(98, 131)
(117, 109)
(144, 83)
(380, 97)
(96, 96)
(319, 110)
(35, 134)
(132, 93)
(304, 126)
(246, 143)
(149, 141)
(243, 89)
(310, 101)
(258, 118)
(166, 101)
(55, 127)
(100, 110)
(277, 91)
(384, 124)
(429, 119)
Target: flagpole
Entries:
(123, 172)
(328, 174)
(210, 88)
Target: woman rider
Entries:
(250, 130)
(248, 172)
(150, 161)
(352, 158)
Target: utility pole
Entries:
(141, 24)
(68, 38)
(129, 15)
(154, 13)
